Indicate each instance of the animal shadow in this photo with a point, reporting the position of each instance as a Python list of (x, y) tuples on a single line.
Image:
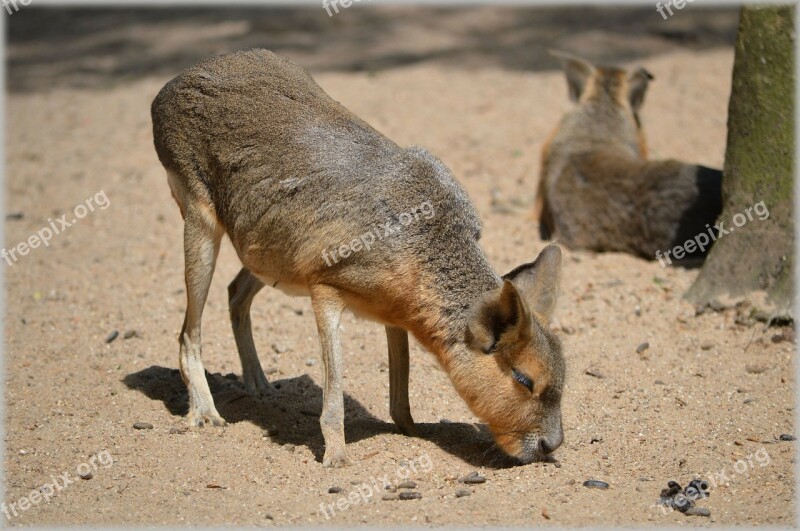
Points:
[(291, 413)]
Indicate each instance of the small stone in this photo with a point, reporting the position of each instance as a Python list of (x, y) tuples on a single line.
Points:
[(311, 362), (410, 495), (707, 345), (407, 485), (289, 447), (568, 330), (659, 382), (335, 490), (641, 348), (130, 333), (112, 336), (595, 484), (473, 478), (142, 426), (270, 432), (177, 431), (389, 497), (570, 481), (355, 482), (697, 511), (755, 369), (786, 437), (279, 349), (391, 488), (749, 400), (86, 475), (545, 514), (460, 493)]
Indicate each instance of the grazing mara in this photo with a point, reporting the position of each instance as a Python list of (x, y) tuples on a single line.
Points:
[(255, 149)]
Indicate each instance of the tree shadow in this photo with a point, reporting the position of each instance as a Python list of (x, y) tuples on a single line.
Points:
[(102, 47), (291, 413)]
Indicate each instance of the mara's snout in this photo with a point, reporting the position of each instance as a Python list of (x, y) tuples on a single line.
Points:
[(255, 149)]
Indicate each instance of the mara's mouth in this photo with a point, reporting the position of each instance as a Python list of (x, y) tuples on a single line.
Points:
[(525, 448)]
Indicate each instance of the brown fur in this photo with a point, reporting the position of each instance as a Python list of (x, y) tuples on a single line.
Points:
[(598, 191), (290, 174)]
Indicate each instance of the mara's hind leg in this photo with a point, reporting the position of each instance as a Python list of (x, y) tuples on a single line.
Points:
[(398, 380), (201, 238), (240, 296)]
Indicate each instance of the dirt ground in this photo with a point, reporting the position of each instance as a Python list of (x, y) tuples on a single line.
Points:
[(709, 397)]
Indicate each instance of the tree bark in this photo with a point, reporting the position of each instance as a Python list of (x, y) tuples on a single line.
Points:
[(755, 261)]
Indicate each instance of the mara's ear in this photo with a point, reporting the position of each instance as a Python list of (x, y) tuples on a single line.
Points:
[(500, 315), (577, 70), (637, 87), (538, 282)]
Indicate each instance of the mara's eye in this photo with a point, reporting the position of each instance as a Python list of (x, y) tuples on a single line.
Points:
[(522, 379)]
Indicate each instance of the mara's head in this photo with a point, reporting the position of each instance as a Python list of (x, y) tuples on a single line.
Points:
[(516, 376), (614, 92)]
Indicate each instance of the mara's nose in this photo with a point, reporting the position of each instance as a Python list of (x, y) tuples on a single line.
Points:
[(549, 444)]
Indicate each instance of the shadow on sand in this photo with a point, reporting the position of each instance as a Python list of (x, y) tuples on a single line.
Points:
[(293, 410)]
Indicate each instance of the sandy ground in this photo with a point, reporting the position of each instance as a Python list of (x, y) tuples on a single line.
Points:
[(708, 398)]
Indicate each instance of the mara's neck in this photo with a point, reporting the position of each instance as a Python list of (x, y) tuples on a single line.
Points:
[(446, 294)]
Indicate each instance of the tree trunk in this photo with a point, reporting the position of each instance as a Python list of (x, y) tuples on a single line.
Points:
[(755, 261)]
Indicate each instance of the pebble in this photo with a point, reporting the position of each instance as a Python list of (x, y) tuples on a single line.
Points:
[(460, 493), (311, 362), (86, 475), (334, 490), (749, 400), (755, 369), (407, 485), (473, 478), (270, 432), (660, 382), (391, 488), (142, 426), (707, 345), (130, 333), (389, 497), (570, 481), (177, 431), (697, 511), (594, 483), (786, 437), (409, 495), (279, 349), (641, 348), (112, 336)]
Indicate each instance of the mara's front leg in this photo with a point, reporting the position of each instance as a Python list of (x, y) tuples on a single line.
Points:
[(328, 307), (399, 409)]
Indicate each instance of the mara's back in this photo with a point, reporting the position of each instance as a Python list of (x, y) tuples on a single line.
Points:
[(292, 175)]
